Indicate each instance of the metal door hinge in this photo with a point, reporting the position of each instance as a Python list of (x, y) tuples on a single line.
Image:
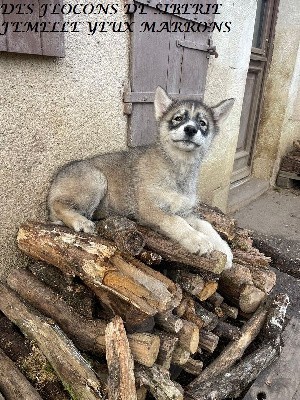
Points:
[(208, 48)]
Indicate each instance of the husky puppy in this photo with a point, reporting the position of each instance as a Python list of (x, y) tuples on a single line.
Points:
[(155, 185)]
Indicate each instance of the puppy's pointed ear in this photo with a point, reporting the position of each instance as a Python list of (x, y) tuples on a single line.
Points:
[(161, 102), (221, 110)]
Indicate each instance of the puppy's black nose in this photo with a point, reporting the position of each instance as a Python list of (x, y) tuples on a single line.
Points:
[(190, 130)]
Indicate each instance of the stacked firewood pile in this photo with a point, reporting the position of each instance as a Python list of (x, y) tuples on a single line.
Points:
[(289, 172), (129, 314)]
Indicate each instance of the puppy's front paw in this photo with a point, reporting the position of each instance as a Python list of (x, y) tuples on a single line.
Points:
[(197, 243), (224, 248), (83, 224)]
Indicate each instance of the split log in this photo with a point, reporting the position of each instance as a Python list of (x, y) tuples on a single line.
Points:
[(182, 306), (88, 335), (208, 341), (159, 383), (190, 314), (242, 240), (64, 358), (250, 298), (169, 322), (235, 349), (13, 383), (193, 367), (99, 264), (180, 355), (123, 232), (121, 381), (226, 384), (188, 336), (210, 287), (168, 342), (174, 252)]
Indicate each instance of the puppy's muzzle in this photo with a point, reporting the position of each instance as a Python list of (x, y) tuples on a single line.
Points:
[(190, 130)]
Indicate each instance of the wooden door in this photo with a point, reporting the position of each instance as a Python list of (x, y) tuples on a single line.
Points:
[(259, 61), (175, 60)]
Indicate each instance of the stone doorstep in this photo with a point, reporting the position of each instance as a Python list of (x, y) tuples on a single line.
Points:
[(242, 194)]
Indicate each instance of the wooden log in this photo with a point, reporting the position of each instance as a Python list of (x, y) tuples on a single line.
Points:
[(141, 393), (64, 358), (233, 280), (263, 279), (168, 342), (13, 383), (30, 360), (123, 232), (182, 306), (210, 287), (180, 355), (193, 367), (227, 385), (208, 340), (191, 283), (250, 298), (216, 299), (87, 334), (121, 380), (190, 314), (242, 240), (159, 383), (172, 251), (149, 258), (228, 331), (188, 336), (230, 311), (74, 293), (223, 224), (169, 322), (253, 257), (235, 349), (237, 285), (100, 266), (210, 320)]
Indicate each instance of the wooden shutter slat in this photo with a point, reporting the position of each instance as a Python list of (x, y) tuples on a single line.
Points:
[(52, 42), (3, 44), (26, 42)]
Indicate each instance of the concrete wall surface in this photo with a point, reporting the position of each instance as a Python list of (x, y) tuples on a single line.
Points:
[(226, 78), (52, 111), (279, 124)]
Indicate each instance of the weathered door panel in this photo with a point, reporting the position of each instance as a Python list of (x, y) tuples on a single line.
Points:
[(177, 61), (259, 61)]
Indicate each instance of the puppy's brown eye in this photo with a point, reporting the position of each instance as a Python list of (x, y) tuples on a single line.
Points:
[(202, 123), (178, 118)]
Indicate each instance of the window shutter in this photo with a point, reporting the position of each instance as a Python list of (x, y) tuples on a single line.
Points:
[(177, 61), (31, 39)]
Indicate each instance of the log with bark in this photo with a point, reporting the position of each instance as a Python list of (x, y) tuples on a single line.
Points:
[(13, 383), (65, 359), (232, 382), (134, 293), (173, 320), (121, 380)]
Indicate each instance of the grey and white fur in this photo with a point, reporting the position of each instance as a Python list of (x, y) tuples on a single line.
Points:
[(155, 185)]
